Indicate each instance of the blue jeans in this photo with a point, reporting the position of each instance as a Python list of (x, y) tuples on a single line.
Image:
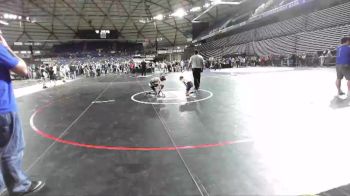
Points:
[(11, 151)]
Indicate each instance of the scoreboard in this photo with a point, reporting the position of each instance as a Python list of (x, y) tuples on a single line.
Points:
[(98, 34)]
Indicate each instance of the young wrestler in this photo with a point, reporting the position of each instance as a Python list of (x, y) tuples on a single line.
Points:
[(188, 84), (157, 84)]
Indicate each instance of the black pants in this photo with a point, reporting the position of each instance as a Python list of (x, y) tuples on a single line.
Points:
[(197, 77), (143, 71)]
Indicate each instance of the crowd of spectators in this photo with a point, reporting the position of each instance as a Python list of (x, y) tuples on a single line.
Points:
[(69, 67), (173, 66), (325, 58)]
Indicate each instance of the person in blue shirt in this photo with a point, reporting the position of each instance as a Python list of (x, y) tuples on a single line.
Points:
[(343, 64), (12, 175)]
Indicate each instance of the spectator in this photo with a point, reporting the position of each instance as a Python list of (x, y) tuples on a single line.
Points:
[(52, 74), (143, 68), (44, 75), (11, 140), (182, 64), (132, 68), (98, 70), (169, 66), (343, 64), (238, 61), (322, 60)]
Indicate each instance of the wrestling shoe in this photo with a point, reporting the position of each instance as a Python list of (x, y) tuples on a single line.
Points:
[(341, 93)]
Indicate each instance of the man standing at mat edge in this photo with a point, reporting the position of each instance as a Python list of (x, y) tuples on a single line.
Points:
[(197, 63), (11, 133), (343, 64)]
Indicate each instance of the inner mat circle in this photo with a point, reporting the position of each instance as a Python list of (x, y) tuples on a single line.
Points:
[(171, 97)]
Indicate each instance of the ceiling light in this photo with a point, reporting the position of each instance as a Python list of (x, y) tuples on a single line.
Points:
[(195, 9), (179, 13), (215, 2), (10, 16), (4, 22), (13, 17), (159, 17), (206, 5), (220, 2)]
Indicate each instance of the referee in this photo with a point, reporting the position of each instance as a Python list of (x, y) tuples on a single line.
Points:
[(197, 63), (12, 175)]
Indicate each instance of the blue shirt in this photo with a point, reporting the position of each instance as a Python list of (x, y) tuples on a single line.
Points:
[(343, 55), (7, 97)]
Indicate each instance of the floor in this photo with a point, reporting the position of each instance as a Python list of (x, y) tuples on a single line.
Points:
[(255, 132), (24, 83)]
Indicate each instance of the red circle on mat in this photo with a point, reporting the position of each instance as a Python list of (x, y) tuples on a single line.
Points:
[(124, 148)]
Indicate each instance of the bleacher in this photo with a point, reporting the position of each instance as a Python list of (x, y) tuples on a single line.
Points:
[(334, 16), (313, 41), (287, 27), (309, 33)]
